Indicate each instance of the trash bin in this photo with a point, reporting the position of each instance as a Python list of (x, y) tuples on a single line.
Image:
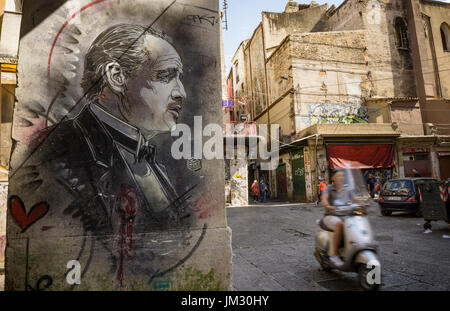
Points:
[(434, 201)]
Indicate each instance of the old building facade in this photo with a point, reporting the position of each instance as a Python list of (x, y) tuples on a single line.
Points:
[(365, 84), (10, 18)]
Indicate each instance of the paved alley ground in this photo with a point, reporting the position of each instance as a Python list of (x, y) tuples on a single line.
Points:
[(273, 250)]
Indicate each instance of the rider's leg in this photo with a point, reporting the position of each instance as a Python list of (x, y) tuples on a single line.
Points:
[(337, 235), (335, 224)]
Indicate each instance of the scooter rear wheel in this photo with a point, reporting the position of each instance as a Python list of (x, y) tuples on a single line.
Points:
[(362, 279)]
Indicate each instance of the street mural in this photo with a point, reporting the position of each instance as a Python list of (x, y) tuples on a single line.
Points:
[(92, 178), (381, 174), (332, 113)]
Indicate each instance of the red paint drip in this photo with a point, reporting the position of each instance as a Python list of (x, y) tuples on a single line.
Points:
[(62, 29), (41, 136), (128, 210), (204, 207)]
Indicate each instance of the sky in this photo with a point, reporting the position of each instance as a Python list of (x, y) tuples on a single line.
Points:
[(245, 15)]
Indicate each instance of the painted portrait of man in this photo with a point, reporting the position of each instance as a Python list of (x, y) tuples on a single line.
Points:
[(98, 197), (104, 176)]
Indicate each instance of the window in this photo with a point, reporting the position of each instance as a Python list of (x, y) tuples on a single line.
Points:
[(398, 187), (445, 35), (236, 71), (401, 34)]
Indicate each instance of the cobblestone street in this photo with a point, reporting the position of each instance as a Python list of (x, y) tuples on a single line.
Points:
[(273, 250)]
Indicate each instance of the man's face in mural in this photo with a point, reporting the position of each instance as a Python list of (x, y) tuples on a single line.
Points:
[(154, 94)]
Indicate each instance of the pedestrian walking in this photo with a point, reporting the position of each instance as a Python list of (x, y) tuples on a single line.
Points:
[(322, 186), (264, 191), (371, 185), (378, 186), (255, 191)]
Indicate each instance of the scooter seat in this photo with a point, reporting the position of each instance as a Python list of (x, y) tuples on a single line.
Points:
[(323, 226)]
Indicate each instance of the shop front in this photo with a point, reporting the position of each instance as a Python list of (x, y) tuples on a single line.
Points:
[(370, 158), (419, 159), (298, 175), (444, 164)]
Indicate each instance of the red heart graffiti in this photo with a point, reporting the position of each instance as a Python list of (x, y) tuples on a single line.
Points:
[(19, 213)]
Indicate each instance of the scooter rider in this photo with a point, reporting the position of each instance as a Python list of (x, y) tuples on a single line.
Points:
[(334, 195)]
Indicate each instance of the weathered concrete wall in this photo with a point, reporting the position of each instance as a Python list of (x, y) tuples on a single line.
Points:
[(256, 71), (242, 103), (239, 182), (347, 17), (282, 114), (3, 197), (239, 77), (248, 87), (278, 26), (7, 106), (408, 117), (330, 78), (279, 69), (391, 68), (92, 177), (439, 13)]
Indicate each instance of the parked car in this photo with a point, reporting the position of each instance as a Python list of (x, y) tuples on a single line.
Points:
[(401, 195)]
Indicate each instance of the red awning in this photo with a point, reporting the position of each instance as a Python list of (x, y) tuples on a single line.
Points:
[(361, 156)]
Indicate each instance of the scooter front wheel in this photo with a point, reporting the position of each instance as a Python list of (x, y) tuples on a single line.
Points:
[(363, 272), (321, 261)]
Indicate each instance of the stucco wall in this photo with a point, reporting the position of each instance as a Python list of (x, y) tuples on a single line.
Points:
[(391, 68), (330, 78), (256, 71), (279, 25), (347, 17), (439, 13), (282, 114), (279, 69), (3, 209)]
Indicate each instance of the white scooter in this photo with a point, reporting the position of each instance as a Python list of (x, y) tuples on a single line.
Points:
[(358, 250)]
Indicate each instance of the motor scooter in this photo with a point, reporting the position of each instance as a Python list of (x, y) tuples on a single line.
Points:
[(358, 249)]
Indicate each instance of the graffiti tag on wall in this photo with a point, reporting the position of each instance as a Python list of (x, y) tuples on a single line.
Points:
[(329, 113)]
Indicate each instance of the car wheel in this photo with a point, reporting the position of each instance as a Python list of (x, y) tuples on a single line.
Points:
[(427, 225), (386, 213)]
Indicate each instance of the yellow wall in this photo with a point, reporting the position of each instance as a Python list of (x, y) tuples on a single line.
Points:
[(280, 114)]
